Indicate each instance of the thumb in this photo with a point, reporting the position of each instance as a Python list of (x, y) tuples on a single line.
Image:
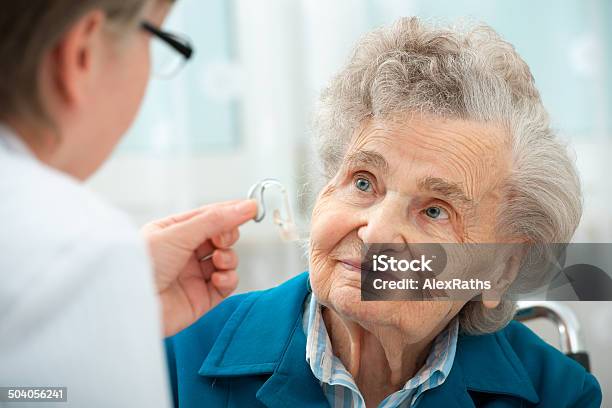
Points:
[(214, 220)]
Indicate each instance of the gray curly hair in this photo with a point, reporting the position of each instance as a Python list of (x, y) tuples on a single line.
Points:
[(467, 74)]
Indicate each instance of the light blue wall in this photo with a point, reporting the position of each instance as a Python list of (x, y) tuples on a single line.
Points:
[(189, 113), (556, 38), (200, 110)]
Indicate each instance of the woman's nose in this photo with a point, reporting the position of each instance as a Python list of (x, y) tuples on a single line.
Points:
[(384, 223)]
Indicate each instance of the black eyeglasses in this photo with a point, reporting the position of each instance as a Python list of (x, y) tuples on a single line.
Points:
[(164, 64)]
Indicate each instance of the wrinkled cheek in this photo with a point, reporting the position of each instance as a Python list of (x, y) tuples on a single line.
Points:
[(323, 238), (332, 220), (331, 223), (320, 276)]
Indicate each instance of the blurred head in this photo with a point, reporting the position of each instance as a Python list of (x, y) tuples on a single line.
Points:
[(74, 73), (433, 135)]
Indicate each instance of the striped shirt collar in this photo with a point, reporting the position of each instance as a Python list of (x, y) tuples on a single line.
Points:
[(338, 384)]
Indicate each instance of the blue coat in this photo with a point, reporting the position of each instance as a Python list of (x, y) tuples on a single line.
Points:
[(250, 351)]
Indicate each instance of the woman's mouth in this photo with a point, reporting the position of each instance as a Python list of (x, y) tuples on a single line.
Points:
[(353, 265)]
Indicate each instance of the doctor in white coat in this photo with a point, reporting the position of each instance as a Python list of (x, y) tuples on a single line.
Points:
[(86, 298)]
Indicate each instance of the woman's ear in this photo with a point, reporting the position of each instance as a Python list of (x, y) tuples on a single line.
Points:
[(72, 62), (502, 281)]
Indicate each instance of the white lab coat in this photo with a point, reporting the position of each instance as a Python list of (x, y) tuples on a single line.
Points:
[(77, 303)]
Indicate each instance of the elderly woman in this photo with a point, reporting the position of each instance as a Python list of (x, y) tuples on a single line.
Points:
[(427, 135)]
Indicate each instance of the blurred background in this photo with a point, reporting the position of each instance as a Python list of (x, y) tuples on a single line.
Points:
[(240, 111)]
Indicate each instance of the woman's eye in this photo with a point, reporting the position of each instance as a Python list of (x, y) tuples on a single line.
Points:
[(363, 184), (436, 213)]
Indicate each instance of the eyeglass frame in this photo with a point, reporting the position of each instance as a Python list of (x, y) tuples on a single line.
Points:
[(180, 44)]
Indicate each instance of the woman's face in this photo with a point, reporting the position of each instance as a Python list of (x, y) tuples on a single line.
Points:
[(424, 180)]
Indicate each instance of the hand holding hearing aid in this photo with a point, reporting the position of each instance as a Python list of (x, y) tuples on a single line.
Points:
[(193, 260)]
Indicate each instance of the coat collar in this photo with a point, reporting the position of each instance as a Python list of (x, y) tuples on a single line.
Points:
[(271, 323)]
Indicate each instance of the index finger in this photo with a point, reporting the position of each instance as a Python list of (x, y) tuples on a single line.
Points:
[(184, 216), (214, 220)]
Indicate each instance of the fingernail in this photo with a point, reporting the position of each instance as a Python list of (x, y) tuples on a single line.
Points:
[(225, 238), (245, 207)]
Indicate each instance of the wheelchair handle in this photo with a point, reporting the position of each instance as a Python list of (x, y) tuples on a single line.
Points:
[(570, 336)]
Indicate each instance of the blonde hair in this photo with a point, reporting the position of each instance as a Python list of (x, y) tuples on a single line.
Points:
[(31, 28)]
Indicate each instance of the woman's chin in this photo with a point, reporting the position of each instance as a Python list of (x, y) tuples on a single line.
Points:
[(346, 300), (345, 297)]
